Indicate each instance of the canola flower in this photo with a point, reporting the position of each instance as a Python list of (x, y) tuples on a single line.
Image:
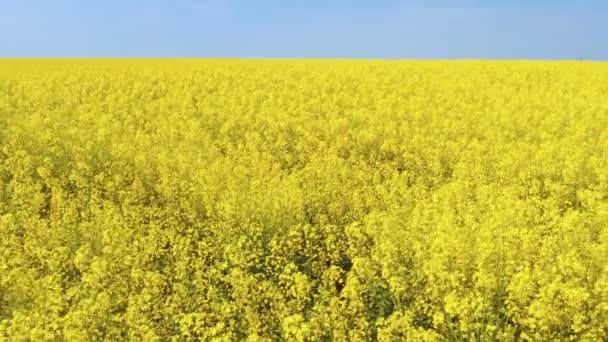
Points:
[(227, 200)]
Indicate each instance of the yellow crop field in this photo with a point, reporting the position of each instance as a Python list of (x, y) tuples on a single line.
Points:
[(303, 200)]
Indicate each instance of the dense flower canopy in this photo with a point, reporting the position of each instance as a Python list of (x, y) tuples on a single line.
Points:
[(303, 200)]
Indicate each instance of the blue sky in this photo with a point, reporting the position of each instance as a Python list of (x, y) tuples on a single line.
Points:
[(431, 29)]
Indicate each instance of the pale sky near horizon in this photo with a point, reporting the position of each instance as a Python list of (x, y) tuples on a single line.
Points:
[(390, 29)]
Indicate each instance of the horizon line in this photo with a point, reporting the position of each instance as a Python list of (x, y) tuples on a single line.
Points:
[(298, 58)]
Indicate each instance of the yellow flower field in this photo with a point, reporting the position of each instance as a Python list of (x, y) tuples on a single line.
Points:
[(303, 200)]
